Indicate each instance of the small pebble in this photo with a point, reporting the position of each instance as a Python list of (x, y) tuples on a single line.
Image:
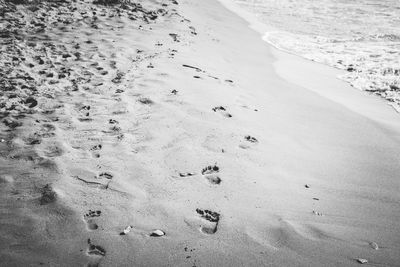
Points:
[(362, 261), (186, 174), (157, 233), (126, 230)]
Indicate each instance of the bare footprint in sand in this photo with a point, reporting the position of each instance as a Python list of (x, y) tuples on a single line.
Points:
[(95, 150), (210, 220), (211, 174), (248, 142), (96, 253), (250, 139), (222, 110), (89, 218)]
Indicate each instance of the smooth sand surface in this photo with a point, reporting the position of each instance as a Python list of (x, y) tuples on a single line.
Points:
[(250, 162)]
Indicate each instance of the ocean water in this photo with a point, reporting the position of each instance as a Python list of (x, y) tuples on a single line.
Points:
[(361, 37)]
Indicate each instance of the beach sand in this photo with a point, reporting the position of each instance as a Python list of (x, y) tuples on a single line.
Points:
[(178, 117)]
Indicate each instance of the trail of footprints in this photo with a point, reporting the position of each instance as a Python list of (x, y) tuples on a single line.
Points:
[(72, 68), (95, 252), (56, 65)]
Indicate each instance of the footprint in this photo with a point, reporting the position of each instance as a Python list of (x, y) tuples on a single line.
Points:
[(250, 139), (222, 110), (89, 218), (211, 174), (95, 150), (210, 220), (96, 253)]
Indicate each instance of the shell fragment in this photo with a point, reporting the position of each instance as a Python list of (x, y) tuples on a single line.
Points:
[(126, 230), (362, 261), (157, 233)]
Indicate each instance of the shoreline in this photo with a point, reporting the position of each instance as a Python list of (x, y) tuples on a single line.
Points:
[(186, 140), (265, 29)]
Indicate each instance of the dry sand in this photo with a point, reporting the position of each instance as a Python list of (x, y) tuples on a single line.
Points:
[(178, 117)]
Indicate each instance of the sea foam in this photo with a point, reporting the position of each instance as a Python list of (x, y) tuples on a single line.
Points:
[(360, 37)]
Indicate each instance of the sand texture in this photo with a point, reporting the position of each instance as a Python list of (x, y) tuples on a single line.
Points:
[(164, 133)]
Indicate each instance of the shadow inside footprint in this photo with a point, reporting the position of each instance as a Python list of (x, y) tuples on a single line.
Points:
[(213, 179), (95, 150), (92, 225)]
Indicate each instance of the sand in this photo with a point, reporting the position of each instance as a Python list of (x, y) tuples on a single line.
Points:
[(170, 134)]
